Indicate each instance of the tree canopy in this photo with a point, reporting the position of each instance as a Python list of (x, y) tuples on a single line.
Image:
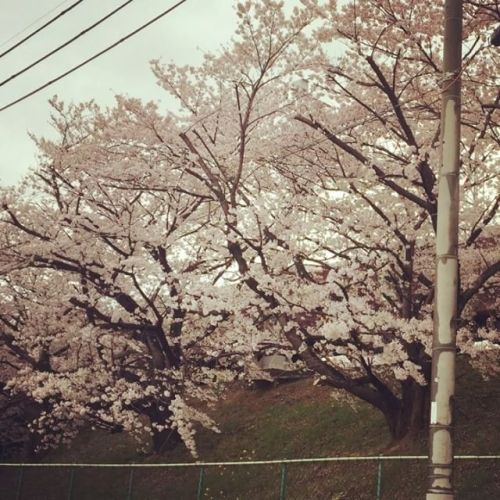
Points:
[(288, 205)]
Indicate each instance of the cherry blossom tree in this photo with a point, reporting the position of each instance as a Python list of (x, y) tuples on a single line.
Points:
[(388, 84), (331, 225), (121, 258)]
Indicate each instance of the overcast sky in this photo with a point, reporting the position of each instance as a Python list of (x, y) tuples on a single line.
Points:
[(182, 36)]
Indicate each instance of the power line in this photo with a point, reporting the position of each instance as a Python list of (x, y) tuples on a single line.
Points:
[(5, 42), (95, 56), (65, 44), (62, 13)]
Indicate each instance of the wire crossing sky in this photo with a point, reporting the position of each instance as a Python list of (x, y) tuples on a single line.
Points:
[(90, 59), (95, 56), (65, 44), (39, 18), (48, 23), (197, 27)]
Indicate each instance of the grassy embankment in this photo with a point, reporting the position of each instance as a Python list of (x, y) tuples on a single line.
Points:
[(294, 420)]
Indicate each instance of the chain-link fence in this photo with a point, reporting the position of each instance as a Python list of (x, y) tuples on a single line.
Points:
[(74, 481)]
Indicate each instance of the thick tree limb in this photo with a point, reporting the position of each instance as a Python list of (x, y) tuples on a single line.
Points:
[(466, 295), (429, 207)]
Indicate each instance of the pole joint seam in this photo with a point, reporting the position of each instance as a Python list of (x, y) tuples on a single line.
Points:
[(439, 426), (444, 347)]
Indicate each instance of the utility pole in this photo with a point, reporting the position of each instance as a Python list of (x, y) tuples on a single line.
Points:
[(440, 485)]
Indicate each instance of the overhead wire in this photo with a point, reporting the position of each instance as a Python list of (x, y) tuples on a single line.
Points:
[(65, 44), (48, 23), (95, 56), (26, 28)]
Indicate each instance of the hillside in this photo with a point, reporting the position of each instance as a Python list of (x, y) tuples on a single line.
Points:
[(294, 420)]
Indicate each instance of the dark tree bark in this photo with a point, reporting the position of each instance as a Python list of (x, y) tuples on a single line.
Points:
[(163, 440), (407, 419)]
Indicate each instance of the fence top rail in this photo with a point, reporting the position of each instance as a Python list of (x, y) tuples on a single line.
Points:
[(254, 462)]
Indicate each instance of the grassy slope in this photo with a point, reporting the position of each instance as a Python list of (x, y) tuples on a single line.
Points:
[(295, 420)]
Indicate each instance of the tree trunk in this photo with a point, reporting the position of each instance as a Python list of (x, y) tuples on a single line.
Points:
[(410, 417), (165, 439)]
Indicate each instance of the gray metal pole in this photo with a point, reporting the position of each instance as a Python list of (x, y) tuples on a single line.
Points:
[(19, 483), (379, 479), (130, 483), (440, 485), (199, 492), (283, 482), (71, 483)]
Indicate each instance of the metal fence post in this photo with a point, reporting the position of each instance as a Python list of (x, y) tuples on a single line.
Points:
[(379, 479), (199, 494), (130, 483), (283, 481), (71, 481), (19, 483)]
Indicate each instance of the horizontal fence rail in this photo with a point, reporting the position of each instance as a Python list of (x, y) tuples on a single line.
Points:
[(251, 462), (202, 466)]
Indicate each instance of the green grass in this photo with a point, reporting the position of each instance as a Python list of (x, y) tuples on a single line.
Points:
[(294, 420)]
